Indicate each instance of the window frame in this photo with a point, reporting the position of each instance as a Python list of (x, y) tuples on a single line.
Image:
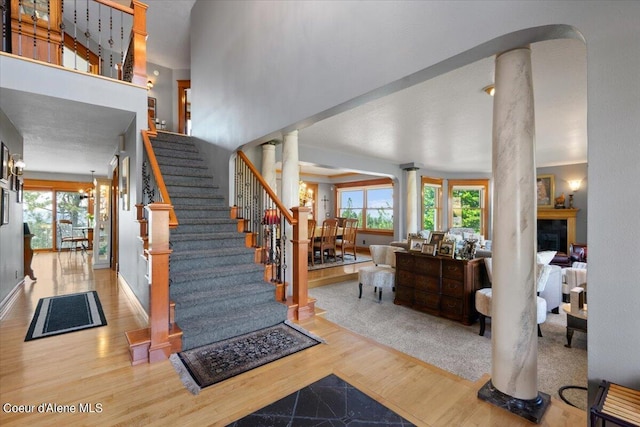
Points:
[(364, 186), (458, 184), (434, 183)]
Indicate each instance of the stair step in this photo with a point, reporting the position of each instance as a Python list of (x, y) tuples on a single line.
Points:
[(219, 276), (177, 152), (185, 163), (200, 332), (190, 181), (194, 259), (201, 211)]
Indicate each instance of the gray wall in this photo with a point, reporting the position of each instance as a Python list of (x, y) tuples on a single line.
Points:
[(262, 76), (11, 240)]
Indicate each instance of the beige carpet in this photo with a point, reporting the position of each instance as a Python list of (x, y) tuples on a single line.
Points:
[(450, 345)]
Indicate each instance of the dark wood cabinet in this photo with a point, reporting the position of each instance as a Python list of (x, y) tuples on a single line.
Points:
[(440, 286)]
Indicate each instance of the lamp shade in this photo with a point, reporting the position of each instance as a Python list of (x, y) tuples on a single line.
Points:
[(271, 217)]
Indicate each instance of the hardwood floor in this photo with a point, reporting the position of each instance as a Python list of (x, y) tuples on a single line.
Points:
[(92, 367)]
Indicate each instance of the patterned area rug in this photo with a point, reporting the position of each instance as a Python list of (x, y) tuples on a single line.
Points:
[(213, 363), (329, 262), (66, 313), (327, 402)]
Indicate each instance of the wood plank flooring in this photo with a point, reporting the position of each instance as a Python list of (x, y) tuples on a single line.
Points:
[(92, 367)]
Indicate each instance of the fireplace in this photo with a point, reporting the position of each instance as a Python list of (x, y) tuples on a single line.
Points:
[(552, 235), (556, 229)]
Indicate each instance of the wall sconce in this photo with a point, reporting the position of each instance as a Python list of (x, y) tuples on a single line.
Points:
[(490, 90), (574, 186), (16, 165), (149, 85)]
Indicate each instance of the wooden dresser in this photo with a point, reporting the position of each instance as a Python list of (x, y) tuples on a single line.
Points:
[(438, 285)]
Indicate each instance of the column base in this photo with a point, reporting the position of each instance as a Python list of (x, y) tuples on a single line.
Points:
[(532, 410)]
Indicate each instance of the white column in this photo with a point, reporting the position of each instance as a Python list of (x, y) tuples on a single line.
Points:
[(269, 164), (513, 307), (290, 183), (412, 201)]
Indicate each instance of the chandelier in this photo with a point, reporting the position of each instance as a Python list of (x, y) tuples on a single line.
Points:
[(305, 195)]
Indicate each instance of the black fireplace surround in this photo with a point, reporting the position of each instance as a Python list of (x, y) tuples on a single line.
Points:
[(552, 235)]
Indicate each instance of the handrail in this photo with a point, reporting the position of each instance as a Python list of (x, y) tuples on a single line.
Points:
[(155, 167), (287, 214), (114, 5)]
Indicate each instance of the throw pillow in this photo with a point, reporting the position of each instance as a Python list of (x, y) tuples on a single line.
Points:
[(545, 257)]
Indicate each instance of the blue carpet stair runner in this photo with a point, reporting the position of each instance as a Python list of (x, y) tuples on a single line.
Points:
[(218, 289)]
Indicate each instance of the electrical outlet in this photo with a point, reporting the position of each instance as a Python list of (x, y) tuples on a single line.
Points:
[(364, 242)]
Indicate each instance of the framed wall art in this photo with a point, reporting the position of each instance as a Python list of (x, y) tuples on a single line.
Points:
[(4, 208), (4, 174), (546, 188)]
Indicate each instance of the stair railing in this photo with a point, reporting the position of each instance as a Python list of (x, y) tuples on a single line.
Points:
[(106, 38), (266, 221), (153, 186)]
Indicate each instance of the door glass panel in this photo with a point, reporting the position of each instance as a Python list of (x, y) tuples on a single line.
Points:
[(72, 205), (38, 213)]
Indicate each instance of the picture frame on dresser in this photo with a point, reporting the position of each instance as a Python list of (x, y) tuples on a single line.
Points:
[(447, 249), (545, 188), (416, 244), (436, 237), (429, 249)]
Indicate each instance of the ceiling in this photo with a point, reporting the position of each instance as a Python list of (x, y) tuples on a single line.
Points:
[(443, 124)]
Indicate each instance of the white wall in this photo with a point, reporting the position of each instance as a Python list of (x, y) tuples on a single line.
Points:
[(274, 66)]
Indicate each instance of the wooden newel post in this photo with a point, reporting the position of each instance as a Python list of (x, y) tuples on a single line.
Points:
[(139, 34), (158, 252), (306, 306)]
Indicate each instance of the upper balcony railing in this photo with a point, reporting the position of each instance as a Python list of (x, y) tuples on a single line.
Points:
[(95, 36)]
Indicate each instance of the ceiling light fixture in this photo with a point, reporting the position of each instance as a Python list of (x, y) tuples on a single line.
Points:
[(490, 90)]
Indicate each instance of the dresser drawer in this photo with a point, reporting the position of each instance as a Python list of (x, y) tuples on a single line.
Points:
[(404, 295), (407, 279), (452, 288), (427, 299), (451, 308), (427, 266), (453, 269), (428, 284)]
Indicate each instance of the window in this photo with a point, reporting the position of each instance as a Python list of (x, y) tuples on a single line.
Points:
[(468, 201), (431, 201), (370, 202), (46, 202)]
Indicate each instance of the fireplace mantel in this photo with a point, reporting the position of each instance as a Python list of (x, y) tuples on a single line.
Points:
[(562, 214)]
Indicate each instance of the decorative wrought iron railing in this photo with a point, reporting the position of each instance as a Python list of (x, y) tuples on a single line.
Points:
[(154, 189), (263, 215), (95, 36)]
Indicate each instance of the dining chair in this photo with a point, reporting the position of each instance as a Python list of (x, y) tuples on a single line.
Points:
[(327, 240), (66, 236), (348, 240), (311, 232)]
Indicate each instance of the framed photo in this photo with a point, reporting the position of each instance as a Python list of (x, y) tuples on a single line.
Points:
[(19, 190), (4, 209), (4, 174), (429, 249), (124, 184), (546, 188), (151, 108), (447, 249), (436, 237), (416, 244)]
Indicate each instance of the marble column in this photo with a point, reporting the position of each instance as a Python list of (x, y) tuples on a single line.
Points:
[(269, 164), (290, 184), (412, 200), (514, 380)]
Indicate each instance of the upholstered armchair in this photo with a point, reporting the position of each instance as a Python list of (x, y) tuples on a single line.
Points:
[(383, 273), (573, 276), (484, 295)]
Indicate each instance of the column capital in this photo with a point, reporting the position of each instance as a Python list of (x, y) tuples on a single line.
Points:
[(410, 166)]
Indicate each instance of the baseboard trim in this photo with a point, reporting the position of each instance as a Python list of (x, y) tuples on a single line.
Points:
[(10, 299), (137, 307)]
